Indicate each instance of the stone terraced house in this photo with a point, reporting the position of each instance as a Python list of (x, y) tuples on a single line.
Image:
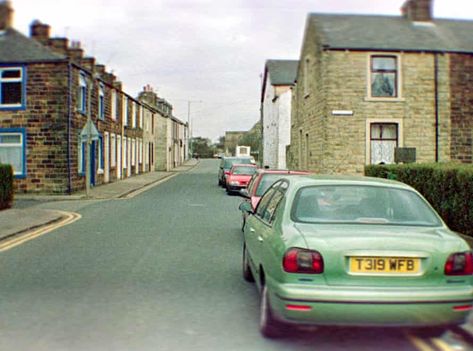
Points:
[(46, 89), (367, 85)]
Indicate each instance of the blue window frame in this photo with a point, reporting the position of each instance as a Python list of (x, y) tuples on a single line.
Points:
[(82, 94), (81, 156), (101, 102), (13, 149), (12, 87)]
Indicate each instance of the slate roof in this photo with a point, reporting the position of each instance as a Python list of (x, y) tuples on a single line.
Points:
[(364, 32), (17, 48), (282, 72)]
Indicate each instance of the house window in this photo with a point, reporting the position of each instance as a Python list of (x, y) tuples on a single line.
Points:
[(125, 111), (82, 94), (133, 114), (384, 76), (13, 150), (383, 141), (133, 151), (113, 105), (12, 87), (101, 102), (82, 156), (113, 151), (142, 116), (100, 155)]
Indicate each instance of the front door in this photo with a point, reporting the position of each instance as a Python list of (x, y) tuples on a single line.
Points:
[(93, 162)]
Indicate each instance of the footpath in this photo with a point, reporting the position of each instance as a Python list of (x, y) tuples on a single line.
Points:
[(15, 221)]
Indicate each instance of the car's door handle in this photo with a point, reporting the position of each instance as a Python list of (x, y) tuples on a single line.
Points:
[(260, 239), (252, 230)]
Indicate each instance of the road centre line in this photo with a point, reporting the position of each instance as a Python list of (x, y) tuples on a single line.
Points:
[(68, 218)]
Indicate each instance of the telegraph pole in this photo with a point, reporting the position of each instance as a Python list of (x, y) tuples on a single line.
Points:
[(89, 136), (189, 141)]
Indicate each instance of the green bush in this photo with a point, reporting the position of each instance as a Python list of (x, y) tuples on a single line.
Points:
[(447, 186), (6, 186)]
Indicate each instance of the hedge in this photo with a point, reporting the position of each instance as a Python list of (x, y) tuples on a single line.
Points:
[(447, 186), (6, 186)]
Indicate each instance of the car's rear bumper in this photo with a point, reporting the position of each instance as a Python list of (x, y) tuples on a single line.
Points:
[(361, 306)]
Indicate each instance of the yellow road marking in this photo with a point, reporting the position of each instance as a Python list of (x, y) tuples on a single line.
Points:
[(442, 345), (419, 343), (70, 217)]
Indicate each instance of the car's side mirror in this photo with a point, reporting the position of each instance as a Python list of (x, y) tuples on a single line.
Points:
[(244, 193), (245, 206)]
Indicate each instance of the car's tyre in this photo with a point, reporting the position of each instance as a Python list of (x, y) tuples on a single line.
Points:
[(247, 275), (269, 327)]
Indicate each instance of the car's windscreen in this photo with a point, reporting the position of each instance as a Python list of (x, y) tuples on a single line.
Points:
[(230, 162), (244, 170), (362, 204), (266, 181)]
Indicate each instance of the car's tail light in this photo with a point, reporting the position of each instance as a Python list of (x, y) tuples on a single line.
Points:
[(298, 260), (460, 263), (226, 172)]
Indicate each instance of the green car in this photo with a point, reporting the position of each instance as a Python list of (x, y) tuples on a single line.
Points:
[(354, 251)]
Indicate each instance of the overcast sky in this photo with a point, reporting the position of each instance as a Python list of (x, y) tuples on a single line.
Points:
[(209, 52)]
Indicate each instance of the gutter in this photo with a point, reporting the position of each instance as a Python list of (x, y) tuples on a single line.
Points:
[(69, 127), (436, 79)]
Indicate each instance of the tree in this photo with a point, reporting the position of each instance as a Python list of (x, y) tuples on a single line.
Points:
[(202, 147)]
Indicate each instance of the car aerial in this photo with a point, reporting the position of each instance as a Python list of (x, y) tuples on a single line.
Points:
[(239, 176), (226, 163), (354, 251), (260, 182)]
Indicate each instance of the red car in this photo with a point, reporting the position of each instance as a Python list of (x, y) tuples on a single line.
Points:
[(239, 176), (260, 182)]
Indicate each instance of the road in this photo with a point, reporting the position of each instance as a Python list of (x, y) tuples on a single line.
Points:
[(159, 271)]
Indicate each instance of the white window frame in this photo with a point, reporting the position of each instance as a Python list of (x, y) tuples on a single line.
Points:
[(369, 122), (125, 152), (20, 79)]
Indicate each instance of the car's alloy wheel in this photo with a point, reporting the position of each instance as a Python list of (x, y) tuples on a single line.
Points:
[(247, 275), (269, 327)]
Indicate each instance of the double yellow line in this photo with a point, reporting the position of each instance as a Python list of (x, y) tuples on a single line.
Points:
[(66, 218)]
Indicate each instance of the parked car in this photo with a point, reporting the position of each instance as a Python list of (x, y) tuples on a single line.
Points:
[(354, 251), (239, 176), (260, 182), (226, 163)]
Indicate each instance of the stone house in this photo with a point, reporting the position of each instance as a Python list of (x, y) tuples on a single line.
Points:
[(47, 88), (367, 85), (171, 133), (276, 98)]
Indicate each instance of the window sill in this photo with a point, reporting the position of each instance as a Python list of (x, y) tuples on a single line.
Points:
[(306, 95), (99, 171), (384, 99)]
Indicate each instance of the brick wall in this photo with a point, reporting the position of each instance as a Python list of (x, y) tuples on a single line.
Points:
[(461, 80)]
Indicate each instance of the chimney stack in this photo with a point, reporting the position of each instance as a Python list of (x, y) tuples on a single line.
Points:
[(6, 15), (40, 32), (417, 10)]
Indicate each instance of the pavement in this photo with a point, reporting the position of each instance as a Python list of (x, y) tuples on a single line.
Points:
[(16, 221)]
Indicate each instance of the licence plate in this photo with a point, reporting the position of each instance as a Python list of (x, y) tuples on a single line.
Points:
[(387, 265)]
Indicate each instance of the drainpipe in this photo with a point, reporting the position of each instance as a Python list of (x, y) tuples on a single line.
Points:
[(69, 127), (436, 79)]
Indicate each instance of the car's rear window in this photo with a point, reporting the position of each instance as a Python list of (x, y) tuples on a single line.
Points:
[(362, 204), (231, 161), (266, 181), (244, 170)]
